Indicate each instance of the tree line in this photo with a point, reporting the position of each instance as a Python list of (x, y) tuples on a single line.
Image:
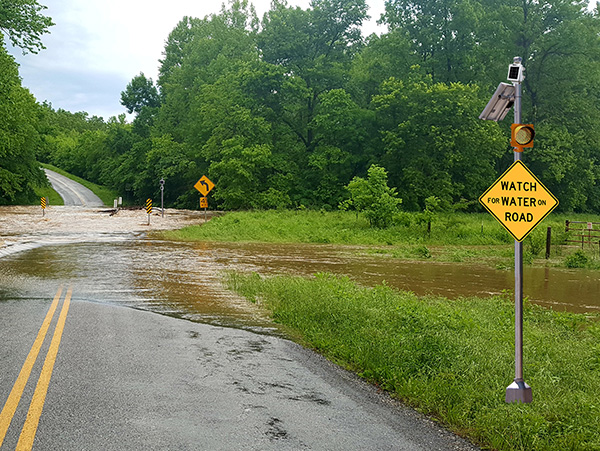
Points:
[(284, 111)]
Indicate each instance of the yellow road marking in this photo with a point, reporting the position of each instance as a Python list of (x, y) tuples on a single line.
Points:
[(8, 411), (39, 396)]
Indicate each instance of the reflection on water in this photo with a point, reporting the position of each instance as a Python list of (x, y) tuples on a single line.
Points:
[(184, 279)]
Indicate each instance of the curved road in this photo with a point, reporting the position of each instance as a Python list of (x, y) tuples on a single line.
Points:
[(73, 193)]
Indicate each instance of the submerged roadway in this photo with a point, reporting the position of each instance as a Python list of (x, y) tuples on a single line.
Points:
[(84, 366)]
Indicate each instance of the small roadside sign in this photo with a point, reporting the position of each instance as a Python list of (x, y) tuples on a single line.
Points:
[(149, 209), (518, 200), (203, 202), (204, 185)]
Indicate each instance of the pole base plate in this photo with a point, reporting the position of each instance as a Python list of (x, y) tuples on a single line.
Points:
[(519, 391)]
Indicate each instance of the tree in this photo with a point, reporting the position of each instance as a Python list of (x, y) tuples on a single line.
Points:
[(140, 93), (24, 24), (444, 33), (315, 47), (373, 197), (19, 171), (434, 144)]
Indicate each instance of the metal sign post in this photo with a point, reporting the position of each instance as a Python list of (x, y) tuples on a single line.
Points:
[(519, 201), (162, 191), (518, 391), (204, 204)]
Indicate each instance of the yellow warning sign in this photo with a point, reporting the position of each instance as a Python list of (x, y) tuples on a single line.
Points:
[(204, 185), (518, 200)]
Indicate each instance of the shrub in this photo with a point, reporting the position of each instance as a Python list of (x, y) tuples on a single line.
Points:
[(373, 197), (577, 259)]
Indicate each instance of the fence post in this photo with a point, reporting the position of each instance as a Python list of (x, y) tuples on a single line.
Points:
[(548, 238), (567, 225)]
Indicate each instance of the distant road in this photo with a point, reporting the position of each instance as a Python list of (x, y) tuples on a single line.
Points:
[(73, 193)]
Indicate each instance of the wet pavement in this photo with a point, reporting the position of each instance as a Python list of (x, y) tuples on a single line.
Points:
[(126, 378), (72, 192)]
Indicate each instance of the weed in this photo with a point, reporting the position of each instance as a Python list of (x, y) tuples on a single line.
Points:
[(578, 259), (452, 359), (422, 252)]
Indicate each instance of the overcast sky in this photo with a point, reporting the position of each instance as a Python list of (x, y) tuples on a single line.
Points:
[(98, 46)]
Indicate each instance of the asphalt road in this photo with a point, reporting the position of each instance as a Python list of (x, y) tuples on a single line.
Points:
[(105, 375), (126, 379), (72, 192)]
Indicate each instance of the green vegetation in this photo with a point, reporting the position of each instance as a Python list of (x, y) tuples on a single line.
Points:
[(373, 197), (107, 195), (341, 227), (287, 110), (52, 196), (23, 23), (451, 359), (19, 172), (454, 237)]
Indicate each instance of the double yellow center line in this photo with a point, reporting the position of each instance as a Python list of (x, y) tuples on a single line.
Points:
[(39, 396)]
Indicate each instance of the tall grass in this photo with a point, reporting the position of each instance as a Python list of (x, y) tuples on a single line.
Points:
[(347, 228), (451, 359), (454, 237), (53, 197), (344, 228)]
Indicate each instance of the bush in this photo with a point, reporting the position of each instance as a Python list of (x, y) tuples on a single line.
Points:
[(423, 252), (373, 197), (577, 259)]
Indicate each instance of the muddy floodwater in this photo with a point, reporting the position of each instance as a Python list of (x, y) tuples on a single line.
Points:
[(184, 279)]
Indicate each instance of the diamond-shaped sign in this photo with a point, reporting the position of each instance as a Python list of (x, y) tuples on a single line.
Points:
[(204, 185), (518, 200)]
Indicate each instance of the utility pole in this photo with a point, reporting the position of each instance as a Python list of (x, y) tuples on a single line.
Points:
[(518, 391)]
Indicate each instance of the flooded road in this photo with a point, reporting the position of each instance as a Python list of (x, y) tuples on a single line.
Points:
[(124, 378), (184, 279), (110, 259)]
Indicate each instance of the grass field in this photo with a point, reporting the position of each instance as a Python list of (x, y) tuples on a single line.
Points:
[(53, 197), (451, 359), (454, 237)]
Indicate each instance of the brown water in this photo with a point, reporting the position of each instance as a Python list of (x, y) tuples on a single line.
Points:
[(184, 279)]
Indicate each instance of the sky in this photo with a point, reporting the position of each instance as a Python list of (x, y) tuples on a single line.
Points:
[(96, 47)]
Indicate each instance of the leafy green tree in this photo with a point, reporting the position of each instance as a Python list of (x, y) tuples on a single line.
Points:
[(19, 171), (385, 56), (316, 46), (140, 93), (23, 23), (445, 35), (372, 197), (434, 144), (342, 144)]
